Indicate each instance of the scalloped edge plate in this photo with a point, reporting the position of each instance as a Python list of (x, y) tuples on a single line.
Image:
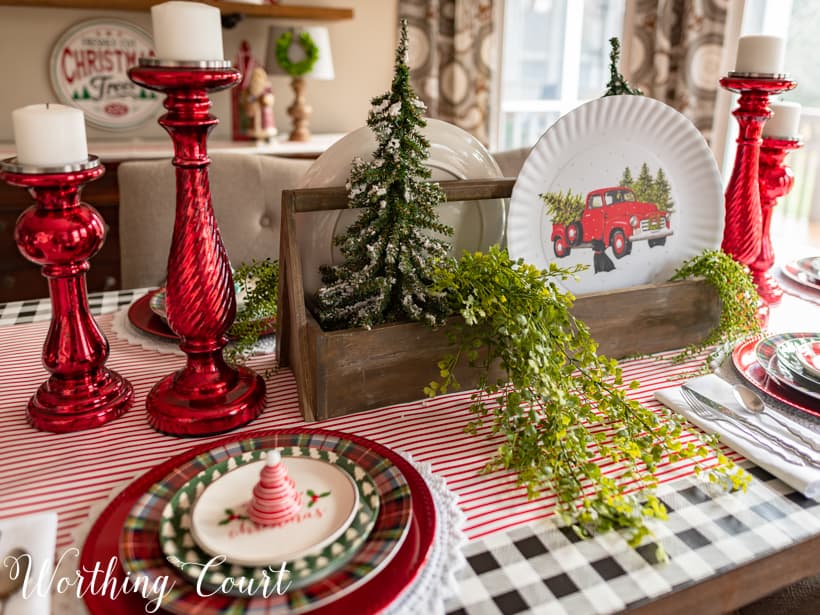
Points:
[(588, 149)]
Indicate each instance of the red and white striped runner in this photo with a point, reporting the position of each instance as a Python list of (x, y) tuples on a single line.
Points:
[(70, 472)]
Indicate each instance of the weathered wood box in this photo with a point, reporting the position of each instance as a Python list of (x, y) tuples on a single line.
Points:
[(339, 372)]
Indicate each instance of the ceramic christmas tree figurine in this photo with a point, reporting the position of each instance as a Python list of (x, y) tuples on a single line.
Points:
[(275, 499), (389, 252)]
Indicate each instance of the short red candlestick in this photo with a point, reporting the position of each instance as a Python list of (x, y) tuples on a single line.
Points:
[(60, 233), (776, 180), (207, 396), (744, 222)]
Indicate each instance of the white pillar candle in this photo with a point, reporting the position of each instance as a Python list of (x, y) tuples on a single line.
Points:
[(187, 31), (760, 53), (785, 121), (49, 135)]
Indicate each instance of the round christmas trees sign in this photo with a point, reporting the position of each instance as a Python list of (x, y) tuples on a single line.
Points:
[(89, 70)]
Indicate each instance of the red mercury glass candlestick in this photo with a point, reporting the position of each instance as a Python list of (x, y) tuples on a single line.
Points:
[(743, 223), (207, 396), (60, 233), (776, 180)]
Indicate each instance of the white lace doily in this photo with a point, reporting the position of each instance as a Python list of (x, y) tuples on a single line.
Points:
[(437, 580), (124, 330), (426, 594)]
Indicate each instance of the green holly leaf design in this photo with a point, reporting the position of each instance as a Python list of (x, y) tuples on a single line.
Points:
[(314, 497)]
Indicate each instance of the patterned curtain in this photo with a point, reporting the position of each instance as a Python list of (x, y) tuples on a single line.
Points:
[(451, 58), (676, 52)]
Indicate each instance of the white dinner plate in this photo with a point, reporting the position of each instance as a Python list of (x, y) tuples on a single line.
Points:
[(454, 154), (588, 150)]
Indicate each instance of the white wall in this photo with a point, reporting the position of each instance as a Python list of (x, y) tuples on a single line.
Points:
[(362, 56)]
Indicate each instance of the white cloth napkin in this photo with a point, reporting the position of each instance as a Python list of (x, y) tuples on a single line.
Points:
[(804, 479), (36, 534)]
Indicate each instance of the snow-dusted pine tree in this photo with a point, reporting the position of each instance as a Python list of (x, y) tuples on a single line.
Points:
[(389, 252)]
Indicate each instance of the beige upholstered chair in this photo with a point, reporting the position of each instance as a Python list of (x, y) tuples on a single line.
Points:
[(246, 192), (510, 161)]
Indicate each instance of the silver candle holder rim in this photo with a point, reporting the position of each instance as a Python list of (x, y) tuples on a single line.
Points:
[(748, 75), (791, 139), (202, 64), (12, 165)]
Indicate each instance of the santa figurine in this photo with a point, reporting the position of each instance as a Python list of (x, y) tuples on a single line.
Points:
[(259, 106)]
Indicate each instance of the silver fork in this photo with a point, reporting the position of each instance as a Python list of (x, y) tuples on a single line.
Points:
[(709, 414)]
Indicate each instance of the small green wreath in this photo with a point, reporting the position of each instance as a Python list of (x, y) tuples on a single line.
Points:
[(296, 69)]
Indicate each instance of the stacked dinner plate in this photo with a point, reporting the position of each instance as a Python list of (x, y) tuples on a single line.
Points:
[(804, 271), (362, 532), (784, 367), (149, 315)]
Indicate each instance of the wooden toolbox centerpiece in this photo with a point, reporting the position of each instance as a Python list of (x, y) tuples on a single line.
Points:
[(340, 372)]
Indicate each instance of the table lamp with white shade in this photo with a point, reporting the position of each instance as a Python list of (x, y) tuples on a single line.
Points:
[(299, 52)]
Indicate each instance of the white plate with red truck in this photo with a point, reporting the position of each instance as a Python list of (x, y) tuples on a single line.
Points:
[(625, 185)]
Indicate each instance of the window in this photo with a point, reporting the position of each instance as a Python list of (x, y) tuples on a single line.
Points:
[(618, 196), (596, 202), (554, 56)]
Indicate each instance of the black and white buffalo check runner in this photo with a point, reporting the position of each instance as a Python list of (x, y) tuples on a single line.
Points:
[(547, 569)]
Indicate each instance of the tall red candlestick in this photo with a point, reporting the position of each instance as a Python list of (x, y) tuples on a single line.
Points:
[(60, 233), (744, 220), (207, 396), (776, 180)]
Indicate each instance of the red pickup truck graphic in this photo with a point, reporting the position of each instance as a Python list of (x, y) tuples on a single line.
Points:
[(612, 217)]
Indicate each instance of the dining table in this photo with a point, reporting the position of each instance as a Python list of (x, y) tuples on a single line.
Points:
[(724, 548)]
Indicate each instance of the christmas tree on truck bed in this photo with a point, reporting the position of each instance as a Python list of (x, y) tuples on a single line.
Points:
[(389, 252)]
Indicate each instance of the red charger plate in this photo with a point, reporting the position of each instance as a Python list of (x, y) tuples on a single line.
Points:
[(143, 318), (377, 593), (745, 361)]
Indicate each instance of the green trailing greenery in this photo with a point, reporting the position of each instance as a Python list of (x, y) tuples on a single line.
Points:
[(648, 189), (259, 280), (617, 84), (738, 302), (304, 66), (563, 208), (557, 395)]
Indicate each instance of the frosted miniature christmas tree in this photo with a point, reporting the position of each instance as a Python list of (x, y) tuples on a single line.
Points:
[(389, 252), (275, 498)]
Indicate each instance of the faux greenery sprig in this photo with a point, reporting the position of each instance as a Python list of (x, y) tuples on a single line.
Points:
[(260, 282), (738, 299), (560, 406)]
